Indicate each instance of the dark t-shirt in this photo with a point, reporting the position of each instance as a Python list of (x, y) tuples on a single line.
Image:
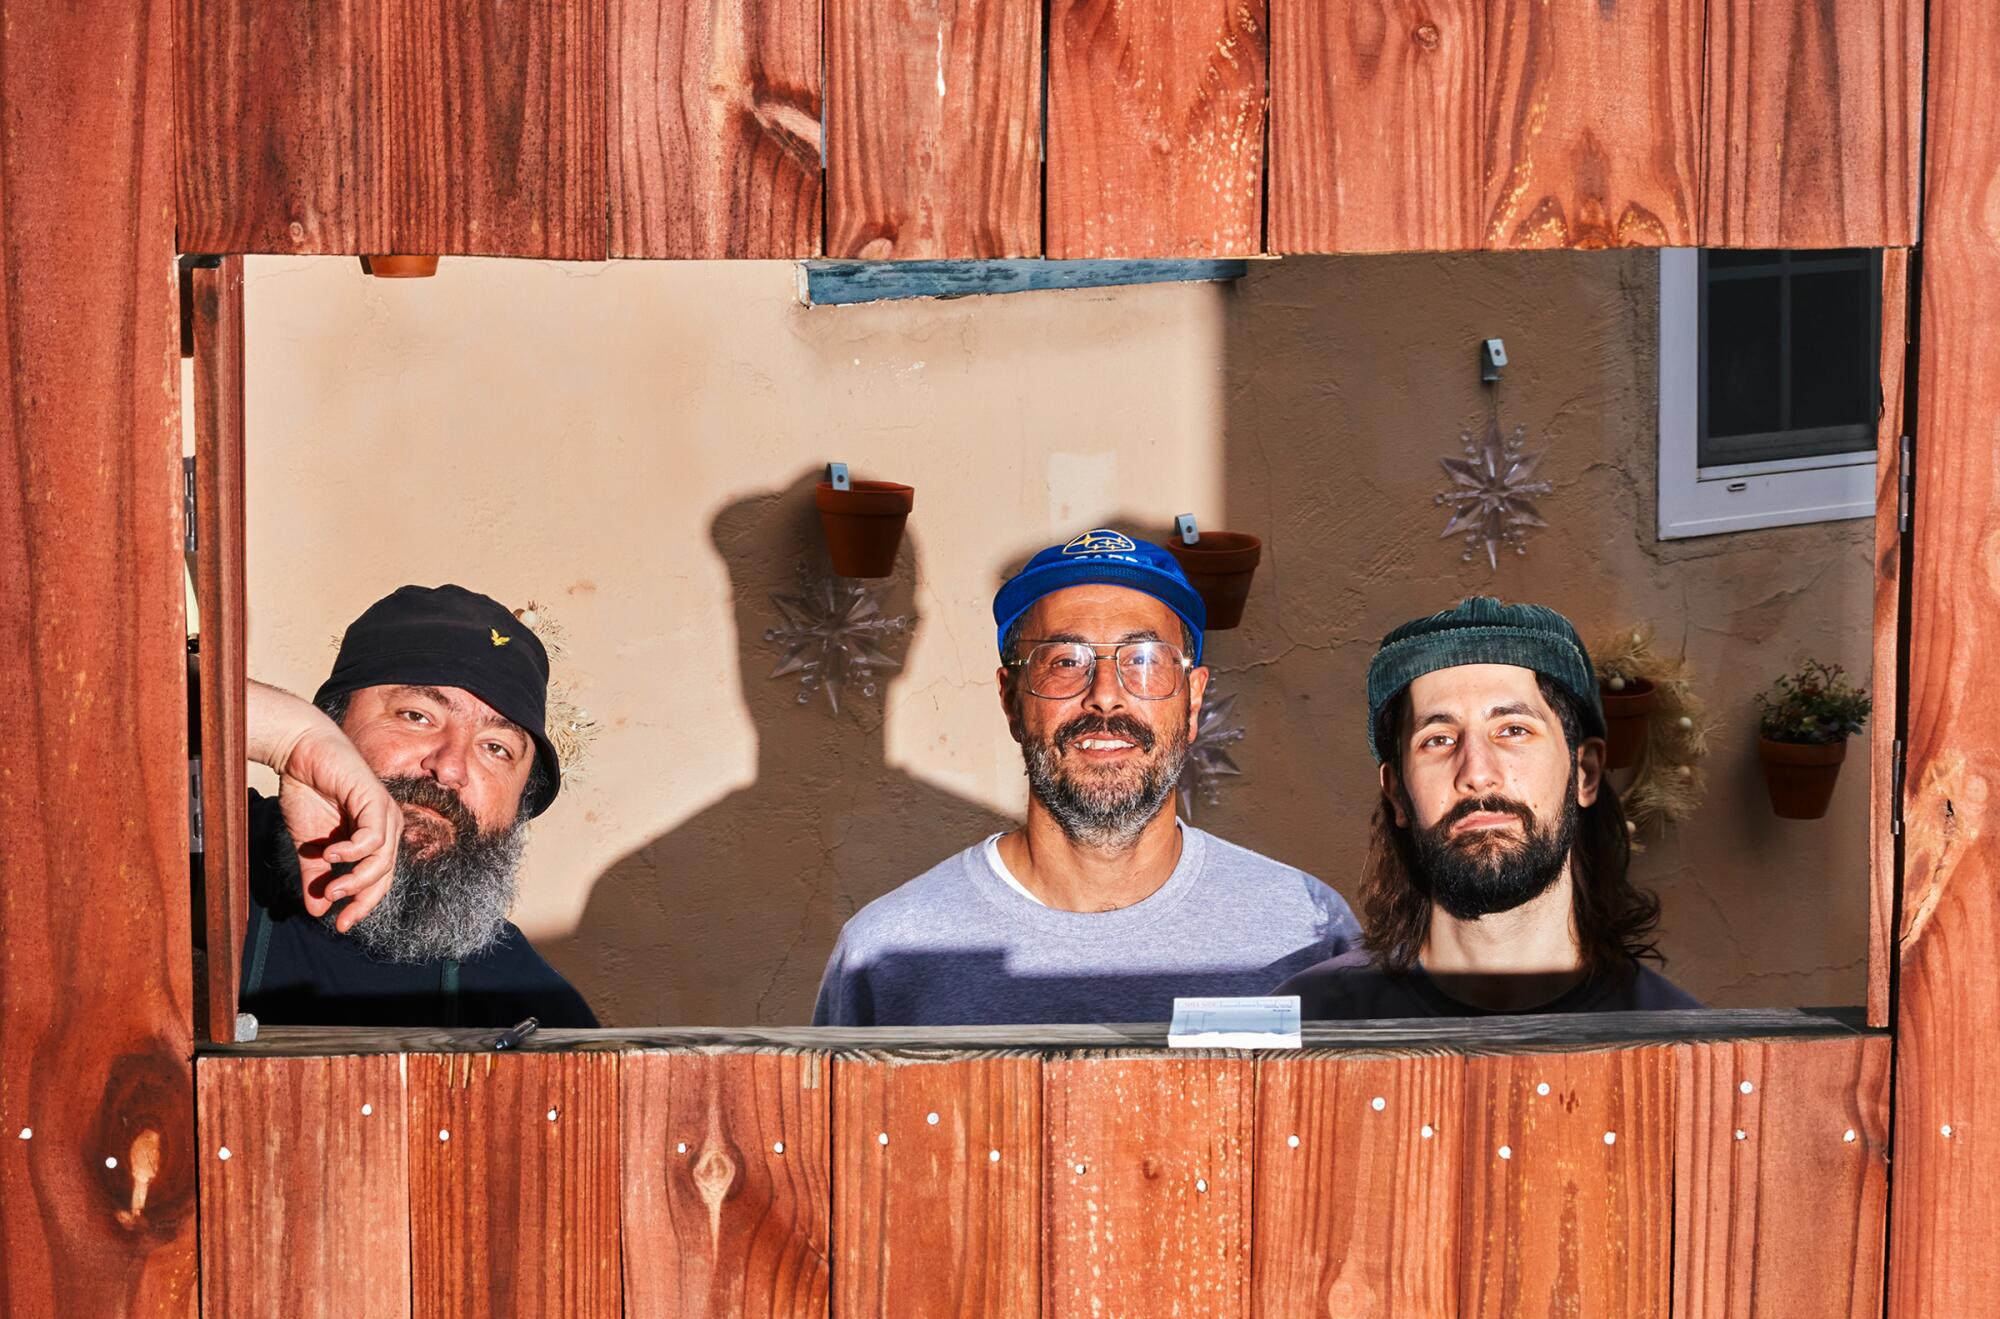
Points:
[(1351, 987), (297, 972)]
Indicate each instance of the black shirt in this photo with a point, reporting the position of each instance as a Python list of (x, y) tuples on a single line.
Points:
[(1351, 987), (297, 972)]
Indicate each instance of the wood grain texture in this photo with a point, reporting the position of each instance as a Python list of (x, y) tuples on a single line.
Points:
[(1593, 130), (1148, 1186), (1886, 679), (219, 592), (282, 142), (933, 113), (363, 126), (1557, 1218), (512, 1212), (1788, 1219), (498, 144), (1813, 113), (309, 1214), (715, 112), (1944, 1258), (1357, 1208), (930, 1221), (725, 1183), (1156, 128), (1376, 141), (96, 1011)]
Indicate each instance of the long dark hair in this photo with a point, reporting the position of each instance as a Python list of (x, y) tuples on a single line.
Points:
[(1615, 922)]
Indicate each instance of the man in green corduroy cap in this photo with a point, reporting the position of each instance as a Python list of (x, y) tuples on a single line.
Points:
[(1496, 876)]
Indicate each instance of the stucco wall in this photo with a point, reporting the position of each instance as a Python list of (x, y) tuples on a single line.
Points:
[(632, 446)]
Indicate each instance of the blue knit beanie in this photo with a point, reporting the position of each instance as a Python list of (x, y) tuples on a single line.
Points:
[(1482, 630)]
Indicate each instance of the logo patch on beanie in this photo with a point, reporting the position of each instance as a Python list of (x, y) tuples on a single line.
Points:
[(499, 640), (1101, 541)]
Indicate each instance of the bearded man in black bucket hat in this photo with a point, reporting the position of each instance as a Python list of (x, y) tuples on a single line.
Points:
[(382, 875), (1496, 875)]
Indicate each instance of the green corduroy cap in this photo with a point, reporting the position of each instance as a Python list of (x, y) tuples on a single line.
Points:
[(1482, 630)]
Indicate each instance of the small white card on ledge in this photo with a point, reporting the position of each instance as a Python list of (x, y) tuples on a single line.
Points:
[(1235, 1023)]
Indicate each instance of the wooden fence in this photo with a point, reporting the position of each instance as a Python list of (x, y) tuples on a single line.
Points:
[(1624, 1166)]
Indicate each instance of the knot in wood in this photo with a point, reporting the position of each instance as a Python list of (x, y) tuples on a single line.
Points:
[(1150, 1166), (714, 1174), (1426, 36)]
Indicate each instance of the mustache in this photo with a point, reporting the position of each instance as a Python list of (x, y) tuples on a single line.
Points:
[(1488, 805), (1089, 725), (413, 790)]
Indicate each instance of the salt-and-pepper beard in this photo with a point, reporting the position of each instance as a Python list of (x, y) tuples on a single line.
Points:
[(1094, 816), (1483, 874), (452, 901)]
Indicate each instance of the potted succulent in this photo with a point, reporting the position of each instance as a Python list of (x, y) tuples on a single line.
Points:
[(1219, 565), (1804, 723), (863, 525)]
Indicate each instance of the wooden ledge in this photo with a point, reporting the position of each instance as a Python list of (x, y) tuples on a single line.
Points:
[(1386, 1038)]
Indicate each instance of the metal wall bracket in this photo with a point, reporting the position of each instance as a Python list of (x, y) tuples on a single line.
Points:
[(837, 473), (1185, 528)]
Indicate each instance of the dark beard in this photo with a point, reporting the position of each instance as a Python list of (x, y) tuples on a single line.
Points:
[(1107, 815), (1480, 875), (449, 899)]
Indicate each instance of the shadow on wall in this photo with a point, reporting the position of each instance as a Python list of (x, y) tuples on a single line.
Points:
[(728, 919)]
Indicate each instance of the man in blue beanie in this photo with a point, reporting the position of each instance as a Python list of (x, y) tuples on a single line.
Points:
[(1496, 877), (1102, 906)]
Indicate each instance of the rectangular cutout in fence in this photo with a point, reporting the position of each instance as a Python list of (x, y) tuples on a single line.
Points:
[(937, 1180), (724, 1168), (514, 1181)]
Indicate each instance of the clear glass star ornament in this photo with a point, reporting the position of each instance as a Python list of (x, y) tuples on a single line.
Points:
[(1208, 758), (1492, 494), (833, 635)]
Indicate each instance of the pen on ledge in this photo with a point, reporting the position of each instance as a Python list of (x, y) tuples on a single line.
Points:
[(512, 1038)]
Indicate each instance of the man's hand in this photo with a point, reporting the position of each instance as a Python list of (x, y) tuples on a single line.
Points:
[(335, 808)]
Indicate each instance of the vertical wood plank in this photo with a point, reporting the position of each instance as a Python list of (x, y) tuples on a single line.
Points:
[(1156, 128), (1788, 1218), (281, 136), (1376, 141), (497, 117), (219, 590), (715, 111), (1357, 1207), (1814, 123), (1149, 1166), (930, 1221), (96, 1011), (1593, 126), (1944, 1258), (513, 1212), (933, 114), (1886, 669), (725, 1183), (1568, 1194), (309, 1214)]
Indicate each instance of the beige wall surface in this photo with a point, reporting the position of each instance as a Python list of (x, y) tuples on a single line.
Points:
[(631, 446)]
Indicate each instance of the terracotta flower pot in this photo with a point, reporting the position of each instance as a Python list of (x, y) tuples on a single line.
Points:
[(1801, 775), (1626, 714), (400, 267), (1219, 566), (864, 525)]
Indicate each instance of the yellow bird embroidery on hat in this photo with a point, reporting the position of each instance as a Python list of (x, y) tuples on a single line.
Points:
[(499, 640)]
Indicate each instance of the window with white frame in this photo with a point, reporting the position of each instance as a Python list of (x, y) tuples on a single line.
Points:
[(1770, 388)]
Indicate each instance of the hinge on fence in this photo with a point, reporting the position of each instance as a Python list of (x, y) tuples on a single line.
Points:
[(1896, 788), (1906, 482), (187, 504), (194, 805)]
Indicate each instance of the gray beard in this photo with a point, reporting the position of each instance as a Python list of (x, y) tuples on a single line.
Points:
[(452, 904), (1106, 818)]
